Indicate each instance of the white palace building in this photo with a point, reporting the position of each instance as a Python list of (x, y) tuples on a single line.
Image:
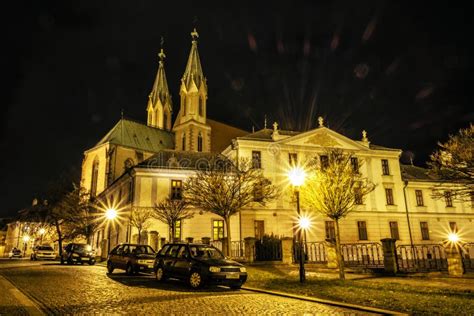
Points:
[(137, 165)]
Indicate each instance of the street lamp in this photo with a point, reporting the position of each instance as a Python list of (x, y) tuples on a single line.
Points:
[(297, 176), (26, 239), (110, 215), (453, 237)]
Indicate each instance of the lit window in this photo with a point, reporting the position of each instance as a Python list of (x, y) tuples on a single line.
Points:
[(176, 189), (385, 167), (419, 197), (217, 229), (177, 231)]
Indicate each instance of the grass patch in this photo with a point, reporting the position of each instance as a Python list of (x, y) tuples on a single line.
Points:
[(413, 295)]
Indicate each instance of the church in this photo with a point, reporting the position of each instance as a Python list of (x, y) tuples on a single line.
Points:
[(136, 165)]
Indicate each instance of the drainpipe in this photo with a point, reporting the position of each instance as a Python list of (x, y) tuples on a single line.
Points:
[(409, 225)]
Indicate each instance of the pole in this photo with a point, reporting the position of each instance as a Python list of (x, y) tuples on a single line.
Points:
[(409, 225), (300, 240), (108, 239)]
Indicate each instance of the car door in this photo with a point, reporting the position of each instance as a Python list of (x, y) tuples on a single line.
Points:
[(115, 255), (169, 258), (124, 256), (182, 263)]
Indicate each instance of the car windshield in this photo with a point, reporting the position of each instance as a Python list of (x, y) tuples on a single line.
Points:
[(82, 248), (45, 248), (142, 250), (205, 252)]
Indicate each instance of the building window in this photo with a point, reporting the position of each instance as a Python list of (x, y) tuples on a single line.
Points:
[(217, 229), (183, 142), (453, 227), (425, 233), (177, 231), (94, 177), (448, 198), (165, 121), (394, 230), (355, 164), (389, 196), (256, 159), (419, 198), (200, 106), (385, 167), (362, 227), (259, 227), (293, 159), (358, 196), (330, 230), (176, 189), (324, 160), (199, 142)]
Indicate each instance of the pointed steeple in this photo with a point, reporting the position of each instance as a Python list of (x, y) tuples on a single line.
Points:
[(159, 101), (193, 72)]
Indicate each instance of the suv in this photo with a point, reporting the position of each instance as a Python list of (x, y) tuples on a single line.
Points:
[(43, 252), (78, 253), (198, 264), (132, 258)]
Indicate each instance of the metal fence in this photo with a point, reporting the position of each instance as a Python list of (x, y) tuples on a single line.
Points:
[(368, 255), (315, 252), (268, 250), (237, 249), (467, 252), (424, 257)]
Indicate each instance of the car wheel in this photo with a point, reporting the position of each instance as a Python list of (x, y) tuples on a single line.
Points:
[(160, 274), (195, 280), (129, 269), (91, 262), (110, 267)]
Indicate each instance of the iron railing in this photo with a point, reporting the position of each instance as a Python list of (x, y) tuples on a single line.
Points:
[(268, 250), (421, 257), (237, 249), (467, 252), (315, 252), (369, 255)]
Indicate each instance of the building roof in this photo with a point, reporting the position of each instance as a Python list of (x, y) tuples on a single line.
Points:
[(410, 172), (187, 160), (377, 147), (193, 72), (160, 89), (129, 133), (222, 135)]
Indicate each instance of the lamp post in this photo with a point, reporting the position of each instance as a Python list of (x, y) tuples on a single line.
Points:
[(297, 177), (110, 215), (26, 239), (42, 231)]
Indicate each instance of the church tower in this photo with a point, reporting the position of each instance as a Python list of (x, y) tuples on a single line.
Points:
[(191, 131), (159, 107)]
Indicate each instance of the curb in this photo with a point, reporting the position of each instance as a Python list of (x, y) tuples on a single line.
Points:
[(326, 302)]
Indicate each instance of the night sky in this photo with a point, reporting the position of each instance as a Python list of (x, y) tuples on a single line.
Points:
[(401, 70)]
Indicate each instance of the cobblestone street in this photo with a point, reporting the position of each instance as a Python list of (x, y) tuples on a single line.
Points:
[(88, 289)]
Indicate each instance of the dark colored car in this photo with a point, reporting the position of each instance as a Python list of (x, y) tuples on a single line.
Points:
[(132, 258), (78, 253), (198, 264)]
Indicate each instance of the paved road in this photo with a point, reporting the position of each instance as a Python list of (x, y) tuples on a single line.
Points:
[(88, 289)]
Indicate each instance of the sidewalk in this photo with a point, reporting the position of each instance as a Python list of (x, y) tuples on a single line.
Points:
[(14, 302)]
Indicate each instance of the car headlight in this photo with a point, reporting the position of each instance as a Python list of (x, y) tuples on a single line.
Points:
[(214, 269), (243, 269), (75, 255)]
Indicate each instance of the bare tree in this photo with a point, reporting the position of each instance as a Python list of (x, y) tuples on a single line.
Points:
[(170, 212), (140, 219), (224, 189), (333, 189), (453, 166)]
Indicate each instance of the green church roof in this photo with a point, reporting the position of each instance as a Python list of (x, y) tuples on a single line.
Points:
[(129, 133)]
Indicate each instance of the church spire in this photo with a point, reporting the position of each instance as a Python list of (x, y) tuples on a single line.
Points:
[(159, 103), (193, 72)]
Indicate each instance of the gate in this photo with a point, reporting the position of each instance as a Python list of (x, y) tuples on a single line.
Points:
[(315, 252), (467, 252), (427, 257), (268, 249), (368, 255)]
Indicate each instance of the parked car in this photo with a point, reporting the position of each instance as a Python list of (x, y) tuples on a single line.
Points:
[(14, 253), (44, 252), (198, 264), (132, 258), (78, 253)]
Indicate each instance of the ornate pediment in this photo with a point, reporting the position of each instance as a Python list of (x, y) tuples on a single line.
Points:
[(323, 140)]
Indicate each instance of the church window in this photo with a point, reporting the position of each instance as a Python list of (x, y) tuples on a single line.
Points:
[(94, 177), (183, 142), (165, 121), (199, 142), (200, 106)]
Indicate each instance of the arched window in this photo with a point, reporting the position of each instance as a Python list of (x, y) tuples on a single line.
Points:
[(199, 142), (94, 176), (183, 142), (200, 106), (157, 118), (165, 120)]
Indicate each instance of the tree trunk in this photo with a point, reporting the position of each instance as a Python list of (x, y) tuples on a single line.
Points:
[(60, 237), (139, 236), (340, 261), (229, 244), (173, 231)]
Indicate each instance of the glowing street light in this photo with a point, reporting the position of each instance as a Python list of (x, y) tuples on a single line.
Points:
[(42, 231), (304, 223), (110, 215), (453, 237), (297, 176), (26, 238)]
